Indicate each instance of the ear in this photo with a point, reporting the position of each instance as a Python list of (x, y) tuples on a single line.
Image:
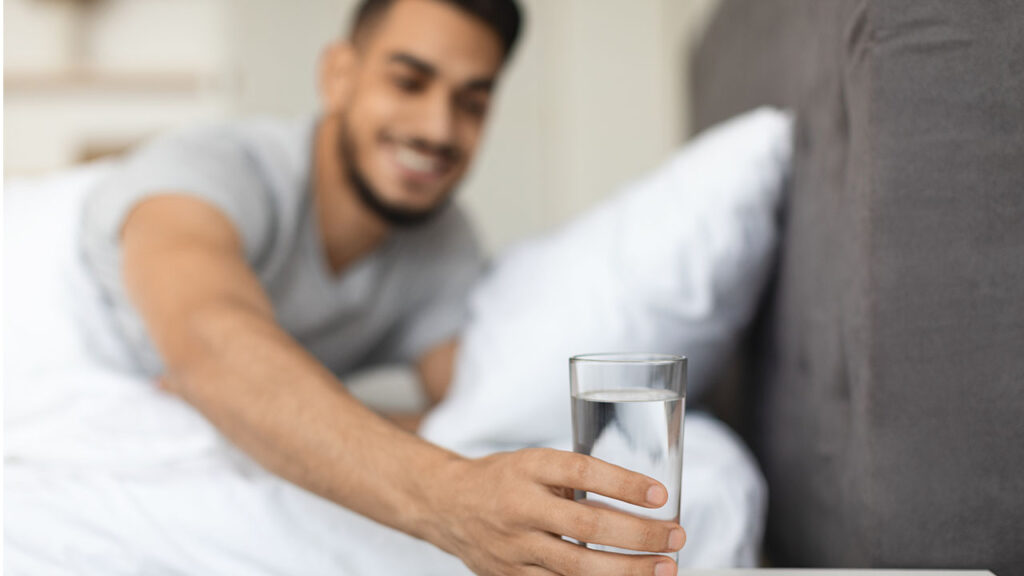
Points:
[(338, 68)]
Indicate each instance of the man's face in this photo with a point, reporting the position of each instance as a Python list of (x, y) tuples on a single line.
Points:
[(414, 108)]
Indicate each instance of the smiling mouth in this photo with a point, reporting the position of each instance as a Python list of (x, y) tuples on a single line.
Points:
[(419, 165), (411, 159)]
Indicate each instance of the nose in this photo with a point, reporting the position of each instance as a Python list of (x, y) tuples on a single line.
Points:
[(435, 119)]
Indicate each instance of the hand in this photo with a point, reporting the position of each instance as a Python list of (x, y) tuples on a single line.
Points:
[(505, 514)]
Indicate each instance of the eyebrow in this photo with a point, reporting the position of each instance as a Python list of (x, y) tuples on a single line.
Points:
[(413, 62), (428, 69)]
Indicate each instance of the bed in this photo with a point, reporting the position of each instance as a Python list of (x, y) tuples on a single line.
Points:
[(107, 474)]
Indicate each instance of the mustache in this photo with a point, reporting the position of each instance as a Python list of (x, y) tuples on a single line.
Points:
[(448, 152)]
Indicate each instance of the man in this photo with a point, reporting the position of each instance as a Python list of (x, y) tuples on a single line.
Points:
[(248, 265)]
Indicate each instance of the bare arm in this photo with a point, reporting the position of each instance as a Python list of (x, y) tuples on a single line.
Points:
[(214, 327), (435, 370), (224, 354)]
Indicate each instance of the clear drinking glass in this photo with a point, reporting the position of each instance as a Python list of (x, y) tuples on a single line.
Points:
[(627, 409)]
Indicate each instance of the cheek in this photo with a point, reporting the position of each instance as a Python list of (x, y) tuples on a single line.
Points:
[(468, 134), (366, 119), (373, 106)]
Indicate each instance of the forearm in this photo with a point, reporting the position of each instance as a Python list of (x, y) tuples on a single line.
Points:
[(214, 327), (408, 421), (276, 402)]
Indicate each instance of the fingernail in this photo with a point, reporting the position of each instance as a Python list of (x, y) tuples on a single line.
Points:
[(676, 539), (665, 569), (656, 495)]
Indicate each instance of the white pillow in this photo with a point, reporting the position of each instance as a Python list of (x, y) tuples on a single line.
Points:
[(674, 264), (40, 260)]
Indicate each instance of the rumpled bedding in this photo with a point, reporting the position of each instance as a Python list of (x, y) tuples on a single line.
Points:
[(107, 474)]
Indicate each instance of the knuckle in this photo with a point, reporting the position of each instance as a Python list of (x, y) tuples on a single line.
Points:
[(535, 457), (581, 470), (539, 552), (531, 551), (641, 568), (572, 562), (586, 524), (629, 487), (652, 537), (545, 452), (637, 566)]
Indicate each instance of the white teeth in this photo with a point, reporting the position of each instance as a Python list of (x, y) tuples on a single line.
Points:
[(410, 159)]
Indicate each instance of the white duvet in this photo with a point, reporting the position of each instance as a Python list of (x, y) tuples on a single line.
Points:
[(106, 474)]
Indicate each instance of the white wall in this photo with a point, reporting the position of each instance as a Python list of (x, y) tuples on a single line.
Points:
[(594, 97), (107, 73)]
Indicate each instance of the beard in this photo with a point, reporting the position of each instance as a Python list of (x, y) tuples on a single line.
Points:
[(397, 216)]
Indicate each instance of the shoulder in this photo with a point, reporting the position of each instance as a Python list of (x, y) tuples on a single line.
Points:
[(281, 144), (275, 152), (285, 147), (252, 171)]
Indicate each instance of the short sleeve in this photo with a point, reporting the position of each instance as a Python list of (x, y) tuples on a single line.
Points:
[(448, 264), (212, 164)]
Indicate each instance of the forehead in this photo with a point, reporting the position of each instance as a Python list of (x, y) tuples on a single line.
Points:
[(455, 42)]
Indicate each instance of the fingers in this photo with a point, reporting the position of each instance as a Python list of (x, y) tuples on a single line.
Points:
[(559, 468), (610, 527), (537, 571), (569, 559)]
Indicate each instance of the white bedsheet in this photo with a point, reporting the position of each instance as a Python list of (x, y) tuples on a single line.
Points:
[(106, 474)]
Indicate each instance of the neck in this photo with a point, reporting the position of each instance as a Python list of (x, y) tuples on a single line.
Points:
[(348, 230)]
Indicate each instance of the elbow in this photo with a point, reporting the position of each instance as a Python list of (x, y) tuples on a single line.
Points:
[(203, 341)]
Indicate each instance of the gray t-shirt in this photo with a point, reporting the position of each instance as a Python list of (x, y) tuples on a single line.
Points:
[(391, 306)]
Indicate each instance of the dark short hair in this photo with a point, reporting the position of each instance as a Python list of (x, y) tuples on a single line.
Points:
[(502, 16)]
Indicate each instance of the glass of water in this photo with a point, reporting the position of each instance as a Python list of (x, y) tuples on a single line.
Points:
[(627, 409)]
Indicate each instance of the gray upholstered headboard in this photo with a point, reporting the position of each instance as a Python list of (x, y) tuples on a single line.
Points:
[(886, 378)]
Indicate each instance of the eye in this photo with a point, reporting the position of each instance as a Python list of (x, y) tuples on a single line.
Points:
[(408, 84), (475, 107)]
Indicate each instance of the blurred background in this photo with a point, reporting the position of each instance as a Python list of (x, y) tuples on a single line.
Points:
[(595, 96)]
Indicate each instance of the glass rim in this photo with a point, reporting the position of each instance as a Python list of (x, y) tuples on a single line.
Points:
[(647, 358)]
